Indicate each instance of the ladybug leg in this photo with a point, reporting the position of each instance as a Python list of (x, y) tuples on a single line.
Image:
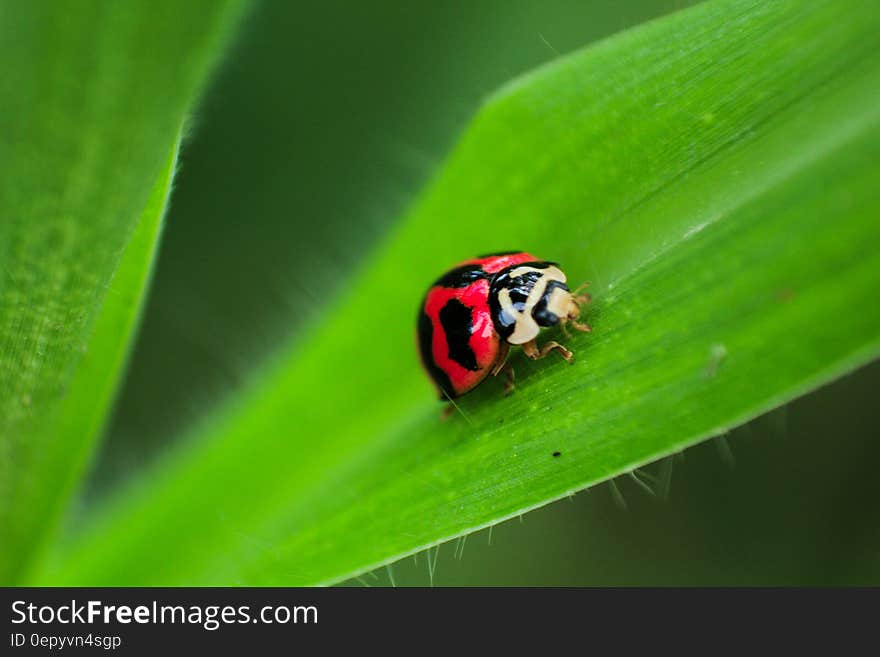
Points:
[(503, 351), (532, 351), (501, 365), (510, 379), (447, 412)]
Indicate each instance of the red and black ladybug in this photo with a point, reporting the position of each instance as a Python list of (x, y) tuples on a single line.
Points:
[(473, 313)]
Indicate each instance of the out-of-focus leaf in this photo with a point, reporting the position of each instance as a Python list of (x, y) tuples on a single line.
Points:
[(91, 102)]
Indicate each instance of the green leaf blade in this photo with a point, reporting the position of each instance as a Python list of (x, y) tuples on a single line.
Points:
[(710, 173)]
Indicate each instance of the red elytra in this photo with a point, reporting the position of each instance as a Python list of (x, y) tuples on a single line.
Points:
[(483, 340), (492, 264), (468, 283)]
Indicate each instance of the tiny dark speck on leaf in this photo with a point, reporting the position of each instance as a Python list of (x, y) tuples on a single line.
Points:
[(555, 454)]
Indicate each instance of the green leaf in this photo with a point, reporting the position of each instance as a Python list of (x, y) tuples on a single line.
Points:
[(712, 173), (91, 109)]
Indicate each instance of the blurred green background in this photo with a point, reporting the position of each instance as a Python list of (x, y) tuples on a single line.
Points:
[(324, 123)]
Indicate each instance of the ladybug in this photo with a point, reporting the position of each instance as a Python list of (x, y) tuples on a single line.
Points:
[(475, 311)]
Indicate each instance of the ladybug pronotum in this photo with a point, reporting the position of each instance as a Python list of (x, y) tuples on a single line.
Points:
[(475, 311)]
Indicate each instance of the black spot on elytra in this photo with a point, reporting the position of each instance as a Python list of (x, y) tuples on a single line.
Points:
[(426, 335), (457, 319), (496, 255), (461, 276), (557, 454)]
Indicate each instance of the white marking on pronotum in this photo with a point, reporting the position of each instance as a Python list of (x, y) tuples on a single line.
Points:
[(551, 272)]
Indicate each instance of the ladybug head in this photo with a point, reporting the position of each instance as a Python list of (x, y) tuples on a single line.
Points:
[(524, 298)]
